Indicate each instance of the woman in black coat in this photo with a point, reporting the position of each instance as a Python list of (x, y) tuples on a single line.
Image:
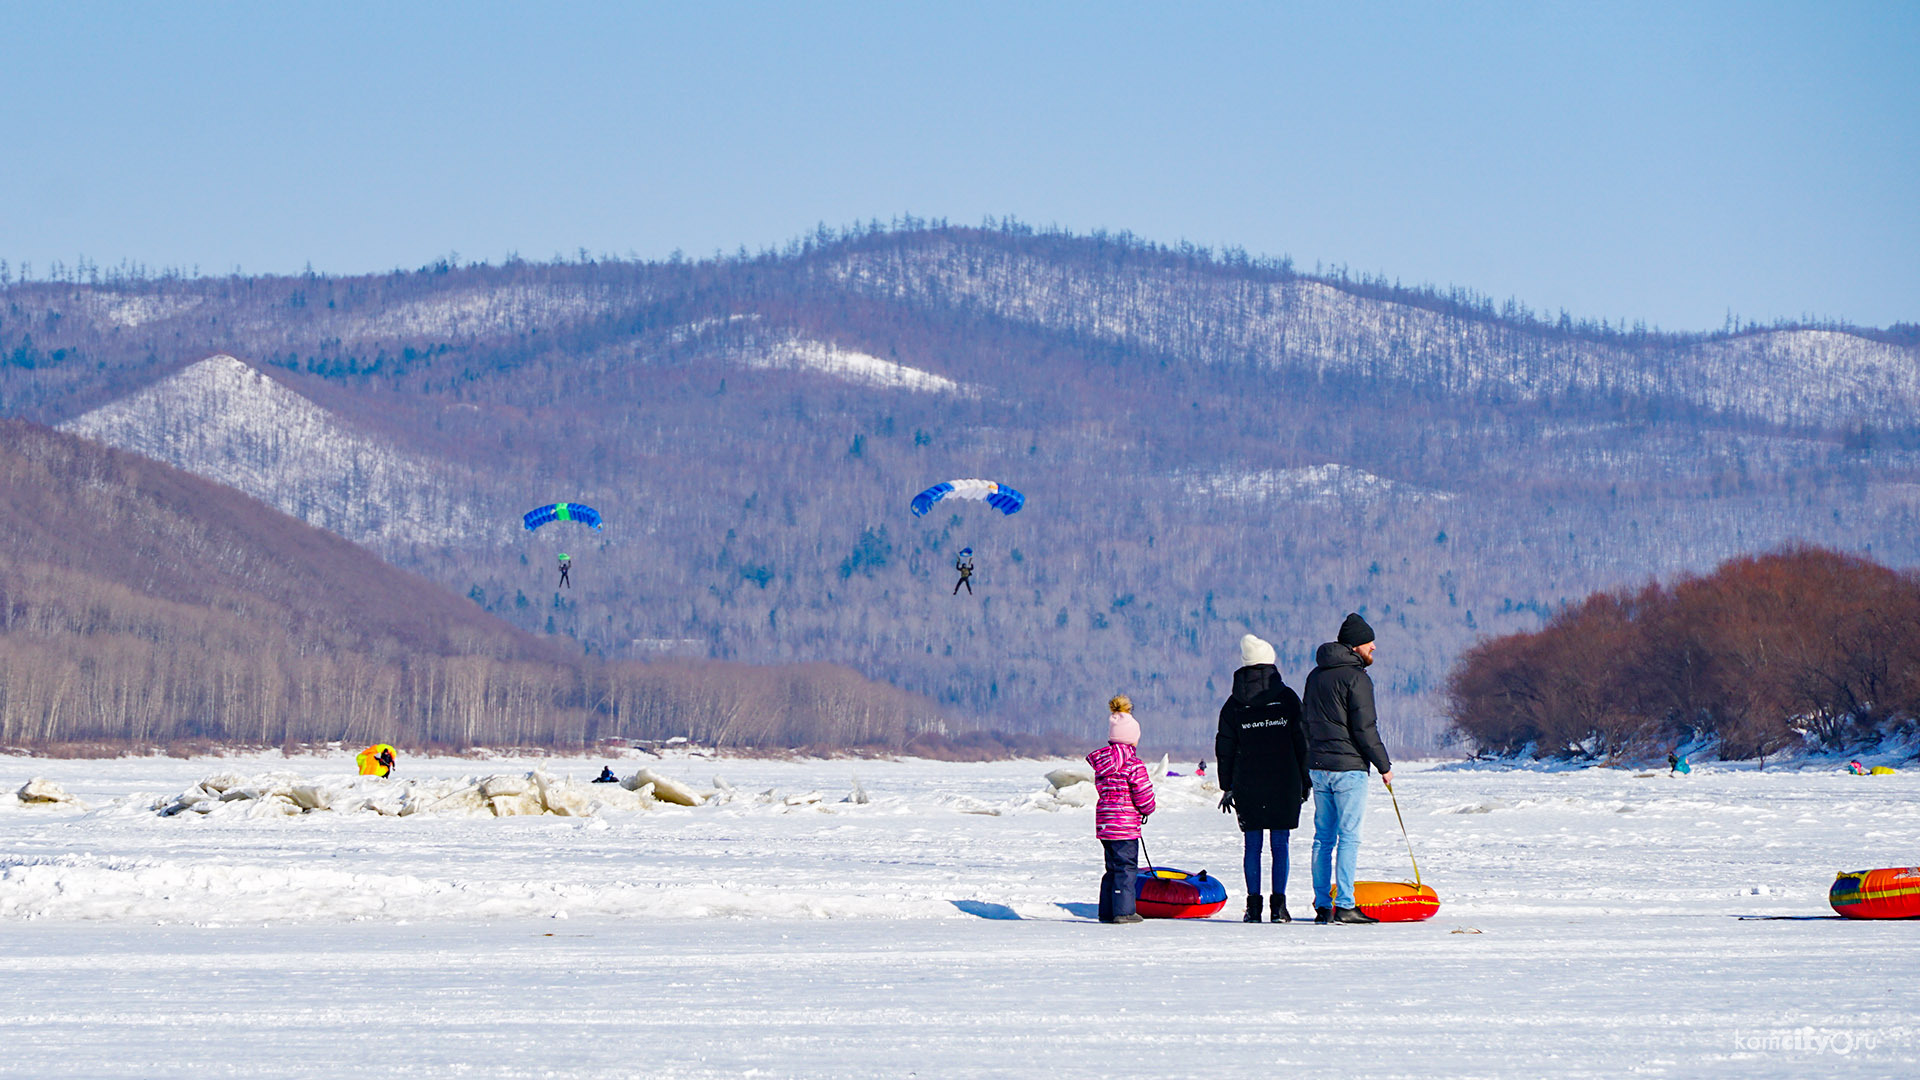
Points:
[(1262, 750)]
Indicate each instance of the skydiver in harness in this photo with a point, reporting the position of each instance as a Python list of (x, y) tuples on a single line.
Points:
[(566, 563), (964, 564)]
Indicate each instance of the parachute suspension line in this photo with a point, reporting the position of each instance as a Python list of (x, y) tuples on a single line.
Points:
[(1403, 834)]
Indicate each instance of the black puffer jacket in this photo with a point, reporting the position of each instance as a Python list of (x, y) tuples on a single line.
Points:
[(1262, 750), (1339, 713)]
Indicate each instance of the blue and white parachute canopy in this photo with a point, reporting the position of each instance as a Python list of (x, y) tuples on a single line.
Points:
[(997, 495), (585, 515)]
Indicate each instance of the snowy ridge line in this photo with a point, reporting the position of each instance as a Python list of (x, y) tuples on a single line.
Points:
[(1310, 483), (223, 420), (1786, 376), (848, 365)]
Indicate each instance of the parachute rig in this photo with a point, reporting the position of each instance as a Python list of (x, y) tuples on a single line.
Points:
[(547, 515), (992, 492)]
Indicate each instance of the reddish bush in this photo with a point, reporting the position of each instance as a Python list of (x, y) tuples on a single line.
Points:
[(1763, 652)]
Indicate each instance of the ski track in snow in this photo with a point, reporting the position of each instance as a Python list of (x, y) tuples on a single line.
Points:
[(763, 936)]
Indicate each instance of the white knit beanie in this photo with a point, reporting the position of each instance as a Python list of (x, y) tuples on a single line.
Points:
[(1254, 651)]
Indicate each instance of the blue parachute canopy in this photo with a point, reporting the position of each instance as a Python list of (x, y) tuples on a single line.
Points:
[(585, 515), (997, 495)]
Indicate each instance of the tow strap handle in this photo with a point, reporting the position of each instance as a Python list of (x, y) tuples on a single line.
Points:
[(1403, 834)]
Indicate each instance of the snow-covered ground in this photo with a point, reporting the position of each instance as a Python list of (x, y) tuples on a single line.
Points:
[(1589, 927)]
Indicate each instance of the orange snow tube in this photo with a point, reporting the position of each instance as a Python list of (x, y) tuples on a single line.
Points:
[(1888, 893), (1395, 901), (369, 759)]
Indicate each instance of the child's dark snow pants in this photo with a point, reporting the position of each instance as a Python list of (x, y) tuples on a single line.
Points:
[(1117, 884)]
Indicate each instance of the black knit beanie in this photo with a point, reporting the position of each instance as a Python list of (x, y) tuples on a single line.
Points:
[(1355, 632)]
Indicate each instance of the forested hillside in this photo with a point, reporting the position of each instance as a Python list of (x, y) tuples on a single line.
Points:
[(141, 605), (1209, 445)]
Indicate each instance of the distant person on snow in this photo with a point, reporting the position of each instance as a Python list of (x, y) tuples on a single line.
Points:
[(1343, 740), (1126, 801), (606, 776), (964, 564), (566, 563), (1677, 764), (1262, 749), (375, 760)]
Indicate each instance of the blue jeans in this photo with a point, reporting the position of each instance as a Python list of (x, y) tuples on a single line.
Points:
[(1252, 861), (1339, 803), (1117, 884)]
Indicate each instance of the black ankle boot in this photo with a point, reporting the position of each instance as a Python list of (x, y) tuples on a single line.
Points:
[(1352, 915), (1322, 916), (1253, 908), (1278, 907)]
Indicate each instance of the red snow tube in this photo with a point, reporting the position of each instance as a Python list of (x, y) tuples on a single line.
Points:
[(1395, 901), (1888, 893), (1161, 893)]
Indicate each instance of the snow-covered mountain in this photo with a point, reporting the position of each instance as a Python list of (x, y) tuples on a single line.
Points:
[(1208, 447), (1799, 377), (232, 424)]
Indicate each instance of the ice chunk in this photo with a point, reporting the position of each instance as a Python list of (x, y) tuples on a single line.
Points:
[(42, 792), (664, 789), (1069, 775), (496, 786), (1080, 794)]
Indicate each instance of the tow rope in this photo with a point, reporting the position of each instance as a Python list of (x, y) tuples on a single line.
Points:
[(1403, 834)]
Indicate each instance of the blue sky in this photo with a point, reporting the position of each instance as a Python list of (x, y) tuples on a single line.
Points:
[(1662, 162)]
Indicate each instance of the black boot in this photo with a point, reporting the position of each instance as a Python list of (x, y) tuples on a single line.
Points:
[(1322, 916), (1253, 908), (1352, 915), (1279, 908)]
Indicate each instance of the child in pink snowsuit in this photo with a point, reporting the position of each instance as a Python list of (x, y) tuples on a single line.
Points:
[(1126, 799)]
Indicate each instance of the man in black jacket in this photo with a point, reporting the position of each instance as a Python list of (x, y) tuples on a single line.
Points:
[(1344, 741), (1262, 749)]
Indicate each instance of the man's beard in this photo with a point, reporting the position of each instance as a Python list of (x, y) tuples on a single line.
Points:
[(1366, 660)]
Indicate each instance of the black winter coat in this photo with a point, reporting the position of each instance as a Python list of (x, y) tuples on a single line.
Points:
[(1339, 712), (1262, 750)]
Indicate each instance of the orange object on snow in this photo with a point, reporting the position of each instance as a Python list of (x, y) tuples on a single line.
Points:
[(1887, 893), (376, 760), (1395, 901)]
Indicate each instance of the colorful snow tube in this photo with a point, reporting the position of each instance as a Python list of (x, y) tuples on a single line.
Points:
[(1160, 893), (1887, 893), (1395, 901)]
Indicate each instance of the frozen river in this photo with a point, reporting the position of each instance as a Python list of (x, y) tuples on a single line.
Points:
[(1589, 927)]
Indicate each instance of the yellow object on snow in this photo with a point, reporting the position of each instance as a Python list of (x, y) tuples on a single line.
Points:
[(1883, 770), (376, 760)]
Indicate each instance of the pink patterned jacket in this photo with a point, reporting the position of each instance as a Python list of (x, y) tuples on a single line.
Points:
[(1126, 795)]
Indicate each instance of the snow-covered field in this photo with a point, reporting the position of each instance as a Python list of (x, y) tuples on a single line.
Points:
[(1589, 928)]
